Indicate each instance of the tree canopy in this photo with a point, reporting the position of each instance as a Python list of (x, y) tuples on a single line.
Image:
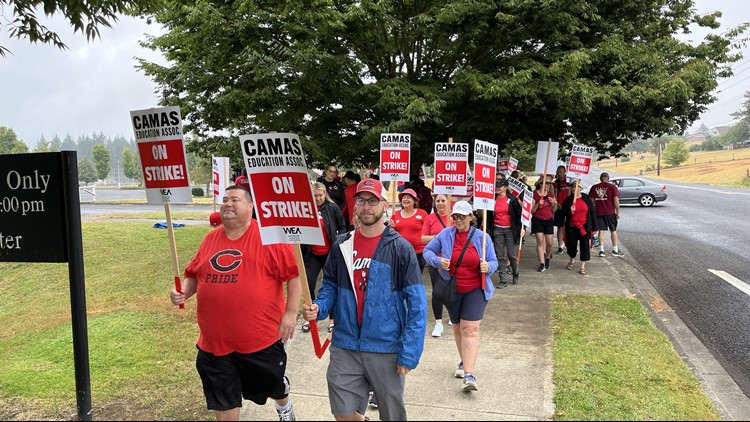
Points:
[(86, 16), (101, 156), (341, 72), (9, 142)]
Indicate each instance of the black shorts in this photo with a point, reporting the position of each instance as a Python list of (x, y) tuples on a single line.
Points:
[(542, 226), (254, 376), (559, 218), (606, 222)]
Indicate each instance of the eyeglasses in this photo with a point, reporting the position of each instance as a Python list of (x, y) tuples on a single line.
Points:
[(456, 217), (372, 201), (332, 171)]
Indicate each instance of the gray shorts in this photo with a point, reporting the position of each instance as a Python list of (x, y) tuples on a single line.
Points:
[(352, 375)]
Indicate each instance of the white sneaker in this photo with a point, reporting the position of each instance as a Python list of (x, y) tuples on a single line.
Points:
[(459, 372), (449, 322), (438, 331)]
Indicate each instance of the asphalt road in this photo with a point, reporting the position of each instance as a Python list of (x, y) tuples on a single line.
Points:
[(691, 248)]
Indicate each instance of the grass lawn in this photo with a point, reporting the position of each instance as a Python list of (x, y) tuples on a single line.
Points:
[(610, 361), (157, 215)]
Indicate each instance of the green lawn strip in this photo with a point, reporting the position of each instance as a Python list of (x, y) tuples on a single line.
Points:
[(612, 363), (142, 348), (157, 215), (196, 200)]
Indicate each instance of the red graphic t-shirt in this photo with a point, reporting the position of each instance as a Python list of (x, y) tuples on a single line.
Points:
[(364, 248), (240, 295), (604, 195), (411, 228), (563, 189), (468, 276)]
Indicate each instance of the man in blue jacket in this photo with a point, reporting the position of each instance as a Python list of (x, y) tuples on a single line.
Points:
[(372, 283)]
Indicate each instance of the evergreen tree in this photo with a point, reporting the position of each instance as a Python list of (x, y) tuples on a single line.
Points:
[(676, 152)]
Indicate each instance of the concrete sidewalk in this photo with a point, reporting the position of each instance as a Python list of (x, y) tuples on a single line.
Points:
[(514, 367)]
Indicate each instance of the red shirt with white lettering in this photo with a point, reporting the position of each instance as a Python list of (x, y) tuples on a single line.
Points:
[(364, 248), (410, 228), (239, 291)]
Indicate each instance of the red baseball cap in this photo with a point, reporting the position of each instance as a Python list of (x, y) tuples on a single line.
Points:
[(215, 219), (371, 185), (242, 181)]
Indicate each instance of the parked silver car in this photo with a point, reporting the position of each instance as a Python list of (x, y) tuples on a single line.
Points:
[(634, 190)]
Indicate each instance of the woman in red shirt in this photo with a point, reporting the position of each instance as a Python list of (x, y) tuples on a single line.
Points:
[(434, 224), (579, 213), (408, 222), (543, 208)]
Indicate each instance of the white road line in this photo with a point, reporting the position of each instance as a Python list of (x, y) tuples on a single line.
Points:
[(711, 189), (734, 281)]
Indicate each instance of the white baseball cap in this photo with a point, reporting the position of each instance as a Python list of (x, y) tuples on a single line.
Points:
[(461, 208)]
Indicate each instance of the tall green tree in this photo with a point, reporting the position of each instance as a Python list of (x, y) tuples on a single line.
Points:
[(739, 133), (101, 157), (86, 16), (9, 142), (676, 152), (128, 164), (86, 172), (341, 72)]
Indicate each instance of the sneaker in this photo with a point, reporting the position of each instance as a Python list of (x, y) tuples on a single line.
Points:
[(286, 415), (330, 328), (450, 322), (559, 251), (596, 241), (502, 285), (541, 268), (617, 253), (372, 401), (602, 254), (306, 327), (515, 279), (508, 269), (546, 263), (438, 331), (470, 383), (459, 372)]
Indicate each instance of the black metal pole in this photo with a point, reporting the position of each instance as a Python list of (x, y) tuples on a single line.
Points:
[(77, 286)]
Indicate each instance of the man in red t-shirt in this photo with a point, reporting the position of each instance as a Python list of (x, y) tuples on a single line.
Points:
[(606, 198), (242, 315)]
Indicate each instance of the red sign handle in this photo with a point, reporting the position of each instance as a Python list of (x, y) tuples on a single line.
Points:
[(317, 347), (178, 287)]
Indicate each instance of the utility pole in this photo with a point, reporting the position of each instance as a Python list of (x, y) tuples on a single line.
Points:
[(118, 174), (658, 159)]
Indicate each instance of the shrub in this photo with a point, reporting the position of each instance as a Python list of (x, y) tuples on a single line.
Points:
[(625, 159), (197, 191)]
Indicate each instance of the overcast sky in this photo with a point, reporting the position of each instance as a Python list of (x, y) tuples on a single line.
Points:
[(93, 86)]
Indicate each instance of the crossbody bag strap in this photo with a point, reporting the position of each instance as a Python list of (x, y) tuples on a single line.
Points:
[(463, 251), (440, 219)]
